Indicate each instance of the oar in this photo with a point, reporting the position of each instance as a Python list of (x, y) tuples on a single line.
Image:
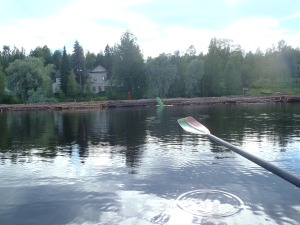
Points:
[(191, 125)]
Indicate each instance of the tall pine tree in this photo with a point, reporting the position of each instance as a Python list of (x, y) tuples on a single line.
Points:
[(108, 60), (65, 71), (78, 63)]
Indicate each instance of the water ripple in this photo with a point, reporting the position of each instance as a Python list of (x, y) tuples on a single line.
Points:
[(210, 203)]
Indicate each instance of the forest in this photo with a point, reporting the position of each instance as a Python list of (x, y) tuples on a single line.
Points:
[(224, 70)]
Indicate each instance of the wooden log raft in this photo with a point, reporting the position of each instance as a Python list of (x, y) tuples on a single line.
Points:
[(152, 102), (293, 99), (53, 106)]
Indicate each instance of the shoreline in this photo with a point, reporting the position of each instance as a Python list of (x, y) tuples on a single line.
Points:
[(241, 99)]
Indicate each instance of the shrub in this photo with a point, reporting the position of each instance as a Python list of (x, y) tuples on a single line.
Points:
[(10, 99)]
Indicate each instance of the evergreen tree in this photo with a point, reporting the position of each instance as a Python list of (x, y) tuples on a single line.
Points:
[(128, 67), (78, 63), (108, 60), (65, 71)]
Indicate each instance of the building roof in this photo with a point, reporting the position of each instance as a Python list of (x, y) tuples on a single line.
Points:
[(86, 72), (98, 69), (57, 74)]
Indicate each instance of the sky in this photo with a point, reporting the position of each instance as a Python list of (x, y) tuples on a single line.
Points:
[(161, 26)]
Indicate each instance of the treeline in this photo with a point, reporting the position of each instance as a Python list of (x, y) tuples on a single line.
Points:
[(225, 70)]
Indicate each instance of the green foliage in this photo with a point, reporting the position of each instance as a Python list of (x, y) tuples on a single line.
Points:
[(227, 70), (108, 60), (56, 59), (73, 87), (2, 84), (39, 96), (61, 96), (115, 94), (42, 52), (65, 71), (213, 69), (8, 55), (247, 70), (12, 99), (129, 68), (177, 89), (90, 60), (233, 74), (191, 51), (232, 78), (35, 96), (29, 74), (88, 88), (160, 75), (78, 63), (99, 59), (194, 74)]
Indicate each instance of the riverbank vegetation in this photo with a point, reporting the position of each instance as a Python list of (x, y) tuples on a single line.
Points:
[(226, 69)]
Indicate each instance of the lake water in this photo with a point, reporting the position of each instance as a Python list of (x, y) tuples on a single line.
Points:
[(138, 166)]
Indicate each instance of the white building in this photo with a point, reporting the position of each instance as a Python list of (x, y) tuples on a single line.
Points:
[(56, 85), (97, 77)]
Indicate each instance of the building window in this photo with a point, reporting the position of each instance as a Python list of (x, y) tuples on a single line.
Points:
[(99, 88), (103, 78), (106, 88), (94, 89)]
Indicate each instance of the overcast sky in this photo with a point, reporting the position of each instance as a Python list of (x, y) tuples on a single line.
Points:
[(159, 25)]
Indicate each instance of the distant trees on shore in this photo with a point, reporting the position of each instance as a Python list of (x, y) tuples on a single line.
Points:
[(224, 70)]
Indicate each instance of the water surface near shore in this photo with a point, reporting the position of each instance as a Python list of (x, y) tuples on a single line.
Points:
[(137, 166)]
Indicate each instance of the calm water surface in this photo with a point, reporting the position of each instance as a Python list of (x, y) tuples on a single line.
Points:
[(137, 166)]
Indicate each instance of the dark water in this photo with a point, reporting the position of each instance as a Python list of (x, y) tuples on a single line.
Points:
[(137, 166)]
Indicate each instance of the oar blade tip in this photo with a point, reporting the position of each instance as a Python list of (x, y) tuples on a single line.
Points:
[(191, 125)]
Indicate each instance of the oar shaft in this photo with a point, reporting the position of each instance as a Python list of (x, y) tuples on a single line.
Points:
[(268, 166)]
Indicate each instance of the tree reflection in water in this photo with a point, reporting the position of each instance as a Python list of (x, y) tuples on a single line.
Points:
[(131, 164)]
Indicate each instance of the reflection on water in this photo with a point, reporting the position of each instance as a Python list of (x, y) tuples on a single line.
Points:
[(128, 166)]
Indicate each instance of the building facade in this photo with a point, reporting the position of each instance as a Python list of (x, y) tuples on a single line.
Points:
[(97, 78), (56, 85)]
